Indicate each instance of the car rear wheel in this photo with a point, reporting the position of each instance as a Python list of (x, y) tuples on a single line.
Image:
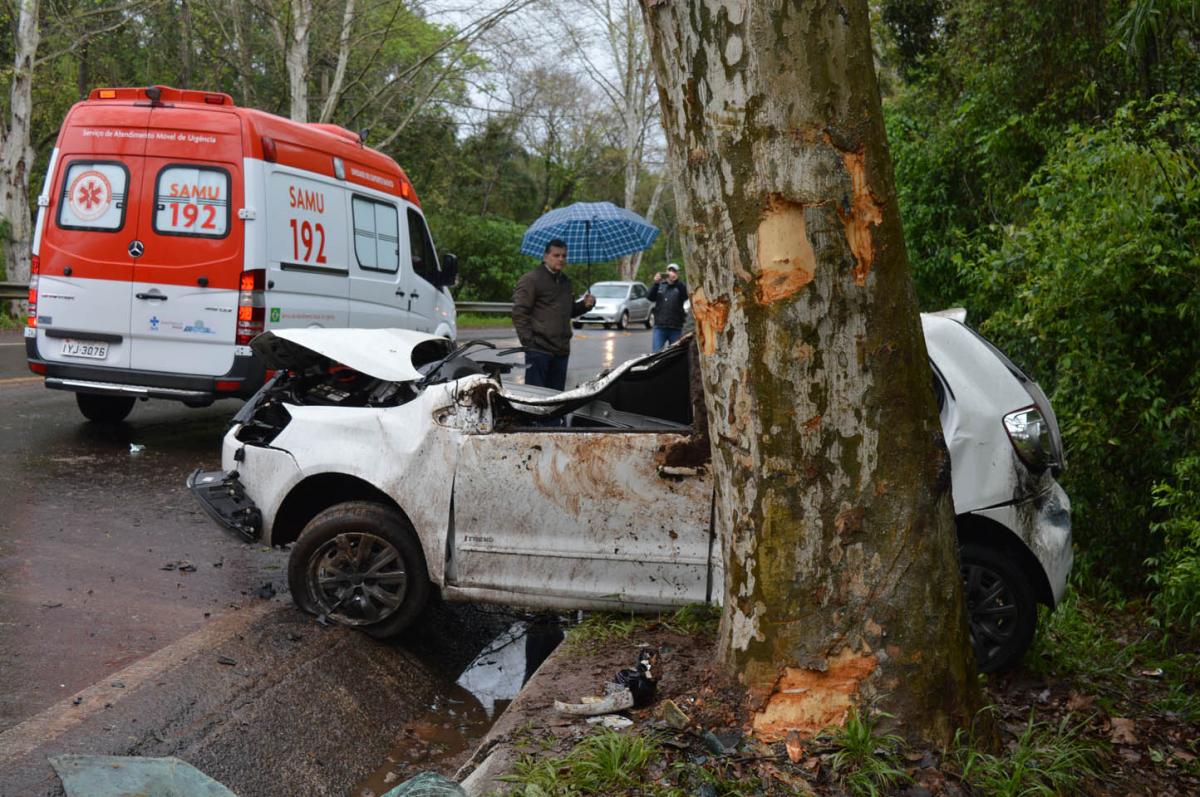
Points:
[(359, 564), (623, 321), (1001, 607), (577, 325), (104, 409)]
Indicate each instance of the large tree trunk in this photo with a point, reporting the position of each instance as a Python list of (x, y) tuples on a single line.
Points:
[(16, 158), (833, 483), (296, 58)]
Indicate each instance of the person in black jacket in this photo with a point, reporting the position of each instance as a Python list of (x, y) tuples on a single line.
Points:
[(669, 295), (543, 306)]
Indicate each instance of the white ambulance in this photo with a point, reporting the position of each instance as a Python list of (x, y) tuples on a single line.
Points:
[(174, 227)]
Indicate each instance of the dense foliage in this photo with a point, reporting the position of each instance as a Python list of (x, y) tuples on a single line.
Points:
[(1048, 162)]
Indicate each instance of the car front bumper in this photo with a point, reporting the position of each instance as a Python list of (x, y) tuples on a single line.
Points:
[(223, 497), (1044, 524)]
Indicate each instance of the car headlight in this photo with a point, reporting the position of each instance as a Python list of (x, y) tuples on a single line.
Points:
[(1030, 437)]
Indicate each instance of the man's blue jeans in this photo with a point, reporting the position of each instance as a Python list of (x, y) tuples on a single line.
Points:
[(665, 336), (546, 370)]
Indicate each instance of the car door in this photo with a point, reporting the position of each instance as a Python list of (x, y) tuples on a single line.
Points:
[(639, 304), (581, 519), (423, 287)]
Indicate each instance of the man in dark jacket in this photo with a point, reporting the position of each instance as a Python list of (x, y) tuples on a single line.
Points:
[(669, 296), (543, 306)]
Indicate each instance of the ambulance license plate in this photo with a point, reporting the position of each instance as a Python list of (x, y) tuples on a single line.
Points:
[(91, 349)]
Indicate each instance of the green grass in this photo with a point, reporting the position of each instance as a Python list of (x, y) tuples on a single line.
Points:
[(598, 628), (1046, 761), (603, 764), (469, 320), (865, 761)]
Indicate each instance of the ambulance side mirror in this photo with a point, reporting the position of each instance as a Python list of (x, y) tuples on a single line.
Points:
[(449, 270)]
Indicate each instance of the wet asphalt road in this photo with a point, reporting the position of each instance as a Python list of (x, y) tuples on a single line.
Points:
[(110, 641)]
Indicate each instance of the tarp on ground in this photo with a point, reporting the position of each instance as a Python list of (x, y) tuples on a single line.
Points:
[(130, 776)]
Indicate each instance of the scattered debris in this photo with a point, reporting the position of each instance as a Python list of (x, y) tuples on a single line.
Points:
[(77, 701), (51, 605), (673, 715), (1122, 731), (1157, 672), (619, 700), (266, 591), (228, 662), (183, 566), (641, 680), (294, 637), (136, 448), (611, 721), (795, 746), (712, 743), (115, 776)]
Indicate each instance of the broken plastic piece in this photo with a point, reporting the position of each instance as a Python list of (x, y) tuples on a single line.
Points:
[(617, 701), (136, 448), (674, 716), (611, 721)]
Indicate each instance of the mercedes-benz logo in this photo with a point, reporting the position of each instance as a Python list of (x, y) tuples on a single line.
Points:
[(136, 248)]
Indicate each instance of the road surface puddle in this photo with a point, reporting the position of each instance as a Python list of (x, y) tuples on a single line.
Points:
[(459, 715)]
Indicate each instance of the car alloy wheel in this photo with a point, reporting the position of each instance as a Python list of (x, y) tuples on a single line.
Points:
[(623, 322), (358, 564), (1001, 608)]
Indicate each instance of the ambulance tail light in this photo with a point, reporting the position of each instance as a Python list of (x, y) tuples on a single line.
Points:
[(252, 305), (35, 268)]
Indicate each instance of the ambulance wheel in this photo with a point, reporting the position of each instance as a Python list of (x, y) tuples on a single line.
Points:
[(359, 564), (104, 409), (623, 322)]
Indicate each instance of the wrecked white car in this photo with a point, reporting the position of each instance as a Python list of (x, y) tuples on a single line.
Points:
[(398, 464)]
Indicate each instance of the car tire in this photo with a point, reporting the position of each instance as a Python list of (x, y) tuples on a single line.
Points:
[(649, 320), (381, 589), (607, 326), (577, 325), (1001, 607), (623, 321), (104, 409)]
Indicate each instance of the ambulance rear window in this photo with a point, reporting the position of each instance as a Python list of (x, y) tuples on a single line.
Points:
[(94, 196), (192, 201), (376, 235)]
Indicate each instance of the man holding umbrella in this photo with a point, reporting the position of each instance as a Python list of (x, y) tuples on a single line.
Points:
[(543, 306)]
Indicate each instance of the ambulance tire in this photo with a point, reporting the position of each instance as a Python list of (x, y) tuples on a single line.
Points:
[(104, 409), (359, 564)]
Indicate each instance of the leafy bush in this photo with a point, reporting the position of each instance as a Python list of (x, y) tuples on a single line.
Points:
[(1175, 573), (1045, 761), (1097, 293), (489, 254)]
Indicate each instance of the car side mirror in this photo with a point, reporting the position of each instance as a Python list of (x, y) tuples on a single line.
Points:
[(449, 269)]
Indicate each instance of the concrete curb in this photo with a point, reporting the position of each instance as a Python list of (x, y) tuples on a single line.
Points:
[(496, 753)]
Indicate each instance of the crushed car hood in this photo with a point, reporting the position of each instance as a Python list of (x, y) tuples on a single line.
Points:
[(394, 355)]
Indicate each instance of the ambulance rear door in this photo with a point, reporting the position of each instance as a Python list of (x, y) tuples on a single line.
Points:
[(186, 280), (86, 232)]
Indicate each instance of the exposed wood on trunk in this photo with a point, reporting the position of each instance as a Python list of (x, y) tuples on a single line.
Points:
[(832, 480)]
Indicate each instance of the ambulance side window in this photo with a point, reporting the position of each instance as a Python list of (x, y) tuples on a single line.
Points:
[(424, 261), (376, 235), (192, 201), (94, 196)]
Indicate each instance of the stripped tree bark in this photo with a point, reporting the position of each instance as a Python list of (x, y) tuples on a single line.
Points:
[(832, 481), (16, 147)]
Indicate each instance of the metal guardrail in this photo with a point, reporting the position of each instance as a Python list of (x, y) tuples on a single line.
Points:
[(483, 307), (14, 290)]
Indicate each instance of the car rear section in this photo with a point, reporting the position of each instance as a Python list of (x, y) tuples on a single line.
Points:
[(138, 254)]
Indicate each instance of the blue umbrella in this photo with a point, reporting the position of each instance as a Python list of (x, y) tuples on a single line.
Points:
[(594, 232)]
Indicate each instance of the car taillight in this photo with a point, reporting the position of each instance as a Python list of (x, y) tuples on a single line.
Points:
[(252, 309), (35, 268), (1031, 439)]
